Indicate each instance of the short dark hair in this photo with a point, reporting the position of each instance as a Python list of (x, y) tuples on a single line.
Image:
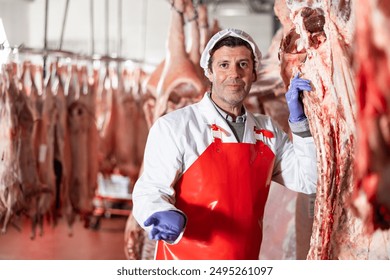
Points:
[(231, 42)]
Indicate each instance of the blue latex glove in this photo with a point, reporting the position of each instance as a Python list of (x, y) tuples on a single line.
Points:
[(294, 101), (167, 225)]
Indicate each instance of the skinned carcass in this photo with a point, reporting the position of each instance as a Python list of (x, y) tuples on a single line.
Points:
[(33, 188), (43, 107), (179, 84), (11, 194), (80, 117), (324, 31), (131, 128), (331, 114), (287, 236)]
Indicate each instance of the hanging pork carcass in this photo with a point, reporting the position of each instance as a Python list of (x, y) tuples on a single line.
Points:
[(44, 110), (81, 189), (11, 193), (33, 188), (372, 64), (179, 83)]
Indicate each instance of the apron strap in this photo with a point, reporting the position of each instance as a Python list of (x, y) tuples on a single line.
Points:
[(260, 134), (216, 132)]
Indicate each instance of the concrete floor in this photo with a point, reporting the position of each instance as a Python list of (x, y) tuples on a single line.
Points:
[(106, 243)]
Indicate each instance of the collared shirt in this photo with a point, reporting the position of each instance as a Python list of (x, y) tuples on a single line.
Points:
[(237, 126)]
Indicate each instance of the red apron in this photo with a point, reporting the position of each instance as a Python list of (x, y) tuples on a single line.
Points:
[(223, 194)]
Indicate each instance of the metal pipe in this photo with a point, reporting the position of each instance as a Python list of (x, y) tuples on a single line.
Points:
[(64, 24), (106, 27), (46, 25), (91, 12), (45, 37), (119, 27)]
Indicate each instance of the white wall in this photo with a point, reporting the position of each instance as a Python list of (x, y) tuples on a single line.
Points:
[(144, 26)]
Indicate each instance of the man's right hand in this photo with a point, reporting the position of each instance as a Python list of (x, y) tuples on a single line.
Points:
[(167, 225)]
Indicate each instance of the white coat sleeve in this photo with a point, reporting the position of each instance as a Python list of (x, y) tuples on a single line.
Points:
[(154, 190), (295, 163)]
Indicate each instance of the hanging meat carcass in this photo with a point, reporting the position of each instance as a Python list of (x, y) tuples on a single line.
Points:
[(372, 163), (191, 16), (62, 149), (106, 115), (203, 20), (325, 35), (43, 108), (80, 117), (179, 84), (11, 194), (131, 128), (267, 97), (33, 188)]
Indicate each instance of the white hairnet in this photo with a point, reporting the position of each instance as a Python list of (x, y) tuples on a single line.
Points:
[(204, 60)]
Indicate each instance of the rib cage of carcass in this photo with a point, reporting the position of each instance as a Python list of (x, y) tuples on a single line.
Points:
[(325, 36)]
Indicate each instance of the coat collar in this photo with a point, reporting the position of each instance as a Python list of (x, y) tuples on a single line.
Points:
[(211, 116)]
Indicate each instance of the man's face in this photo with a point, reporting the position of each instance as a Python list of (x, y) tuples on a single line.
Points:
[(232, 76)]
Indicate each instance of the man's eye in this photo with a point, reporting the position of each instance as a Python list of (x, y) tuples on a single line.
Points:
[(223, 65), (243, 64)]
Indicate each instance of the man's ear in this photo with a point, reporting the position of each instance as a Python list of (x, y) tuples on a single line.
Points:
[(209, 75), (254, 77)]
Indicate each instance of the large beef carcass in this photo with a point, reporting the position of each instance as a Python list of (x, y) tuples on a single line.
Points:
[(372, 163), (325, 35), (332, 121), (287, 235)]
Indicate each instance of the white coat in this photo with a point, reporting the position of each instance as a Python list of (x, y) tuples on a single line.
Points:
[(177, 139)]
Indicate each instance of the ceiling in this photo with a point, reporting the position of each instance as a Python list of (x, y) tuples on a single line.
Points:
[(252, 6)]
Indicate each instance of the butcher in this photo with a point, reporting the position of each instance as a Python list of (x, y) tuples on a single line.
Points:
[(208, 166)]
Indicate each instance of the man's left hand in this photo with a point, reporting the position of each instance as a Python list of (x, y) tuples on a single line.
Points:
[(294, 101)]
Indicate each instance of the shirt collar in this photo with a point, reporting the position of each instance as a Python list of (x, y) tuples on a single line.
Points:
[(239, 119)]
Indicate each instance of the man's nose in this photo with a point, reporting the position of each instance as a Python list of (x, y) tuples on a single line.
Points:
[(235, 71)]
